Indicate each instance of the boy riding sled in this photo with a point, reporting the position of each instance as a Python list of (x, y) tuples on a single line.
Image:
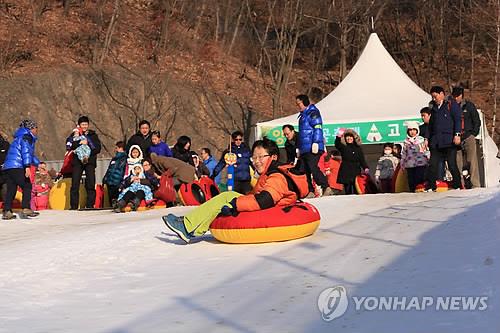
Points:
[(276, 186)]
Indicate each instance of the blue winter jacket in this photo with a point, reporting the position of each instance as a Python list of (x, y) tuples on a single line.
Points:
[(161, 149), (211, 163), (21, 152), (242, 169), (445, 122), (310, 130), (116, 169)]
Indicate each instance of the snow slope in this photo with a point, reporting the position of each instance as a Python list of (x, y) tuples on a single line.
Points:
[(98, 271)]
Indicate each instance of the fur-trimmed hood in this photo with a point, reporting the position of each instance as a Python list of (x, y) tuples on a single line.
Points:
[(357, 138), (130, 153)]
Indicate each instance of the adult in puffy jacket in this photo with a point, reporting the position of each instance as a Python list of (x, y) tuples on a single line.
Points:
[(79, 167), (272, 189), (241, 168), (182, 149), (142, 138), (17, 167), (444, 136), (348, 142), (310, 143)]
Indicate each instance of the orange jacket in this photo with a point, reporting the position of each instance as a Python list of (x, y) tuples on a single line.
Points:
[(271, 190)]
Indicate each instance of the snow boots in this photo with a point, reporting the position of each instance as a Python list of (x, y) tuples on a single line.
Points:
[(8, 215)]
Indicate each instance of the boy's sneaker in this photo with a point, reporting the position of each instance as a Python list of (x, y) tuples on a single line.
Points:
[(311, 195), (136, 202), (327, 191), (176, 224), (27, 213), (8, 215), (119, 206), (85, 160)]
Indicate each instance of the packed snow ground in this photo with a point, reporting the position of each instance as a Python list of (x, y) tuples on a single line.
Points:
[(98, 271)]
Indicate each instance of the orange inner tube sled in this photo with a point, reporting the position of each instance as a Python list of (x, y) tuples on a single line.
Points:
[(279, 223)]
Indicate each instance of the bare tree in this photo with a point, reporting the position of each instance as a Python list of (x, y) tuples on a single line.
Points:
[(109, 32), (138, 96), (38, 7)]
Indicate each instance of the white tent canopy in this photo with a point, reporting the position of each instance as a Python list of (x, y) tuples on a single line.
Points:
[(376, 98), (375, 90)]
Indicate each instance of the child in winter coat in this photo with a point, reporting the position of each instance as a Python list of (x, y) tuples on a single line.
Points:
[(134, 158), (386, 165), (329, 164), (136, 187), (41, 187), (83, 151), (414, 156), (116, 171), (158, 146), (353, 164)]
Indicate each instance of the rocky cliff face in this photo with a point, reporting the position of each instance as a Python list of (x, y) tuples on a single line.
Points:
[(116, 100)]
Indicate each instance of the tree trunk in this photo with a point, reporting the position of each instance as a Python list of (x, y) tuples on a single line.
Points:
[(110, 31), (471, 85), (217, 22), (495, 87), (66, 5), (166, 8), (200, 17), (236, 29)]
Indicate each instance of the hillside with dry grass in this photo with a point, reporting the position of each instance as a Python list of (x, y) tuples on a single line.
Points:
[(204, 68)]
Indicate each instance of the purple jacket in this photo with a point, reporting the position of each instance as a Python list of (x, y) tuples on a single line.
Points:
[(161, 149)]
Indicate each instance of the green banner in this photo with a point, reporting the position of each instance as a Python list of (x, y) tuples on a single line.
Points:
[(371, 132)]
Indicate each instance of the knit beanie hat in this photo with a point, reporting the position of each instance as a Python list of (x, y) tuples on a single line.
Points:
[(28, 123)]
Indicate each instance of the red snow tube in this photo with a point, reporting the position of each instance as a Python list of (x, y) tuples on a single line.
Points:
[(365, 185), (192, 194), (279, 223), (208, 187), (441, 186)]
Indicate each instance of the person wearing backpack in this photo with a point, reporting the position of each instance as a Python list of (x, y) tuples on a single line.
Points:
[(471, 123), (115, 172), (275, 187), (443, 137)]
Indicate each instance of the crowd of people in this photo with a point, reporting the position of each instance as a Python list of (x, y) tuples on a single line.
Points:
[(445, 140)]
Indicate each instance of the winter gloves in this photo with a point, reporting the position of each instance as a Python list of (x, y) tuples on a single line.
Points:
[(229, 209), (315, 148), (340, 132)]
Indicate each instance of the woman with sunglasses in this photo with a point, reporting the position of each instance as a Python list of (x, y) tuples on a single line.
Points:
[(241, 168)]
